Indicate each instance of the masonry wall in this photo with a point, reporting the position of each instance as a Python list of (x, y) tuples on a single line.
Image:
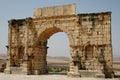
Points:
[(96, 32), (89, 36)]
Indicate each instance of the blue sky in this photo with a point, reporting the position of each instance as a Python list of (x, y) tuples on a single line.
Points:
[(15, 9)]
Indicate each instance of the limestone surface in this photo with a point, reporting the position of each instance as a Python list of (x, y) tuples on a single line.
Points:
[(89, 37)]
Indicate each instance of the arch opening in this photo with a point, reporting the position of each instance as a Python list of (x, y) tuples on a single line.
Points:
[(58, 45), (60, 50), (58, 53), (47, 33)]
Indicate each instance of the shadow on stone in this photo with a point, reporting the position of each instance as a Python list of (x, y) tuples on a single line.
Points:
[(57, 73)]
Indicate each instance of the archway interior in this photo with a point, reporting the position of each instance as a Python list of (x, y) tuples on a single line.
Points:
[(57, 44)]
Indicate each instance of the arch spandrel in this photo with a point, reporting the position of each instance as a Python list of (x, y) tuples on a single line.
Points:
[(67, 25)]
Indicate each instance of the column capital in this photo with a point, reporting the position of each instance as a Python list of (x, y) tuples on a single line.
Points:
[(28, 21), (12, 22)]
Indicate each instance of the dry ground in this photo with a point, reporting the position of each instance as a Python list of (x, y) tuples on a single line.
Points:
[(43, 77)]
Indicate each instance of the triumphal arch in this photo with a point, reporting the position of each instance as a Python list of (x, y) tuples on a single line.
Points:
[(89, 37)]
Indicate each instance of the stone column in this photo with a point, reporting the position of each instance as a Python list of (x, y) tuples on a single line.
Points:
[(17, 43), (25, 57), (7, 70), (74, 68), (76, 63), (101, 63), (75, 46)]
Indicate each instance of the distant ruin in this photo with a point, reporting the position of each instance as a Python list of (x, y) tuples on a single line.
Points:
[(89, 37)]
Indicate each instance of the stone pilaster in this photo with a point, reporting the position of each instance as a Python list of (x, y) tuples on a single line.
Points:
[(74, 68), (25, 56), (7, 70)]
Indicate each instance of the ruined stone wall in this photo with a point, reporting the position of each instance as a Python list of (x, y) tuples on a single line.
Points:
[(89, 35), (96, 31), (92, 31)]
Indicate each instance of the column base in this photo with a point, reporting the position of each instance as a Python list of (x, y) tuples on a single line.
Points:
[(24, 67), (39, 72), (24, 71), (87, 73), (92, 73), (100, 75), (7, 71), (36, 72), (73, 74), (16, 70)]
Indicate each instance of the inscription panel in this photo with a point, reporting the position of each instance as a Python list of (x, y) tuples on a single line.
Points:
[(54, 11)]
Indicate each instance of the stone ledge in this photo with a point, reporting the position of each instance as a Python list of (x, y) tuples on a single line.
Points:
[(91, 73)]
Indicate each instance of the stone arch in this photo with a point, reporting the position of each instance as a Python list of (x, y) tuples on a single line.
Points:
[(38, 59), (32, 34), (48, 32), (45, 32)]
